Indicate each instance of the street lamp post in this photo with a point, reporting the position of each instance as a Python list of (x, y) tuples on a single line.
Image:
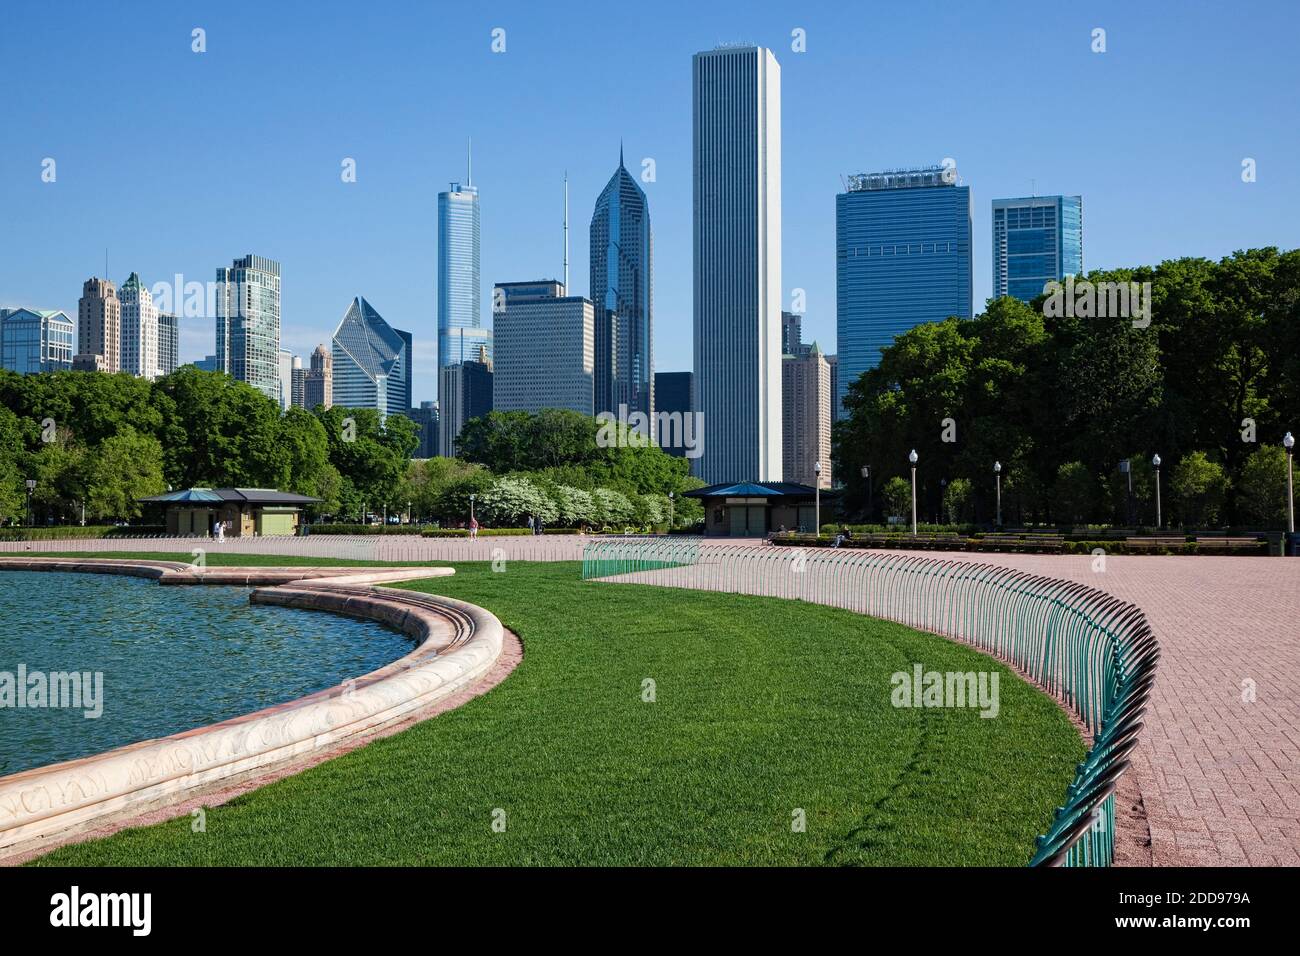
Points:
[(866, 473), (672, 510), (1289, 444), (31, 486), (997, 478), (1155, 462), (912, 458), (472, 496), (817, 492)]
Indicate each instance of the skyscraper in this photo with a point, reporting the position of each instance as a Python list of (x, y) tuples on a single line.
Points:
[(673, 397), (806, 425), (99, 326), (426, 417), (248, 323), (298, 388), (833, 362), (1035, 241), (139, 329), (318, 383), (370, 362), (169, 343), (902, 257), (737, 250), (286, 379), (465, 391), (621, 254), (33, 340), (545, 348), (792, 335), (460, 327)]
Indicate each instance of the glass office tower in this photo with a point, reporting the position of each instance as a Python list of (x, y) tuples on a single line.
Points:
[(36, 340), (1036, 240), (902, 257), (248, 323), (621, 251), (371, 362), (460, 326)]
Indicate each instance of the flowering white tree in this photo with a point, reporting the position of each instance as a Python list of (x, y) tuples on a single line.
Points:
[(510, 500), (612, 507)]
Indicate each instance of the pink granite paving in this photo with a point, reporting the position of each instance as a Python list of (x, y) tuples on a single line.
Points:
[(1219, 775)]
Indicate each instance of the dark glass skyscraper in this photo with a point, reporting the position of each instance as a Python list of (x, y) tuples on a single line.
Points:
[(902, 257), (1036, 240), (621, 254)]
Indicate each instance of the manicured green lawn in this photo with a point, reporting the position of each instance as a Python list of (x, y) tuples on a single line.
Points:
[(762, 707)]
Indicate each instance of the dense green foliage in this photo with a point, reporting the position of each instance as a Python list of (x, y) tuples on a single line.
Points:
[(1060, 400), (762, 708), (100, 442)]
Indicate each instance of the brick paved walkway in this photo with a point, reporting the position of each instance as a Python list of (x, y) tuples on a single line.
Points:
[(1219, 775)]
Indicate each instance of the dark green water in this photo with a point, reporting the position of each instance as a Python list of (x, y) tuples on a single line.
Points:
[(172, 658)]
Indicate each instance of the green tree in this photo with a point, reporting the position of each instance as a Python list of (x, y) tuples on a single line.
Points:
[(1261, 490), (958, 501), (1074, 495), (898, 498), (1199, 487), (119, 471)]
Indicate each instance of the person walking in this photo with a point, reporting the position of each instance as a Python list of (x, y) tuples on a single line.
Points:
[(473, 528)]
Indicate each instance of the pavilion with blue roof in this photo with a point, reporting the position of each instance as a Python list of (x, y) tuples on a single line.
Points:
[(753, 509), (243, 512)]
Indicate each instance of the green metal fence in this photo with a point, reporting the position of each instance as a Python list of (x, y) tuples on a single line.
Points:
[(1093, 651)]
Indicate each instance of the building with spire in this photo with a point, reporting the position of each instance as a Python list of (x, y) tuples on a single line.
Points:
[(460, 324), (371, 362), (318, 381), (139, 329), (621, 295)]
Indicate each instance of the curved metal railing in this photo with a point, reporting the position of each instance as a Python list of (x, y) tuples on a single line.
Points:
[(1094, 652)]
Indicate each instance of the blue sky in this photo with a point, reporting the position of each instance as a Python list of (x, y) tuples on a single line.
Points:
[(179, 162)]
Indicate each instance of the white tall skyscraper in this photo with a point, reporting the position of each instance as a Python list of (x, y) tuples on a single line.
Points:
[(737, 173), (139, 329)]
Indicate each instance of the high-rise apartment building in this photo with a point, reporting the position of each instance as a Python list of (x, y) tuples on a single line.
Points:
[(806, 425), (902, 258), (139, 343), (298, 388), (792, 334), (370, 362), (169, 343), (286, 379), (621, 296), (248, 323), (99, 327), (36, 340), (1036, 240), (545, 348), (737, 262), (318, 382)]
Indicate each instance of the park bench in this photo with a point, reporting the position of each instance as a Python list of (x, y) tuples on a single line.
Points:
[(1155, 542), (1227, 543), (1021, 543)]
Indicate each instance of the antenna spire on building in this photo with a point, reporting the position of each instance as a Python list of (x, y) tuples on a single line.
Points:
[(620, 152), (469, 165), (566, 232)]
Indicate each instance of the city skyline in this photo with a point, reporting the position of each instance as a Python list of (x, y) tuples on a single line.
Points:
[(1138, 208)]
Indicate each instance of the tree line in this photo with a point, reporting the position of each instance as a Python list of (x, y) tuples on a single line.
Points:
[(96, 443), (1209, 380)]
